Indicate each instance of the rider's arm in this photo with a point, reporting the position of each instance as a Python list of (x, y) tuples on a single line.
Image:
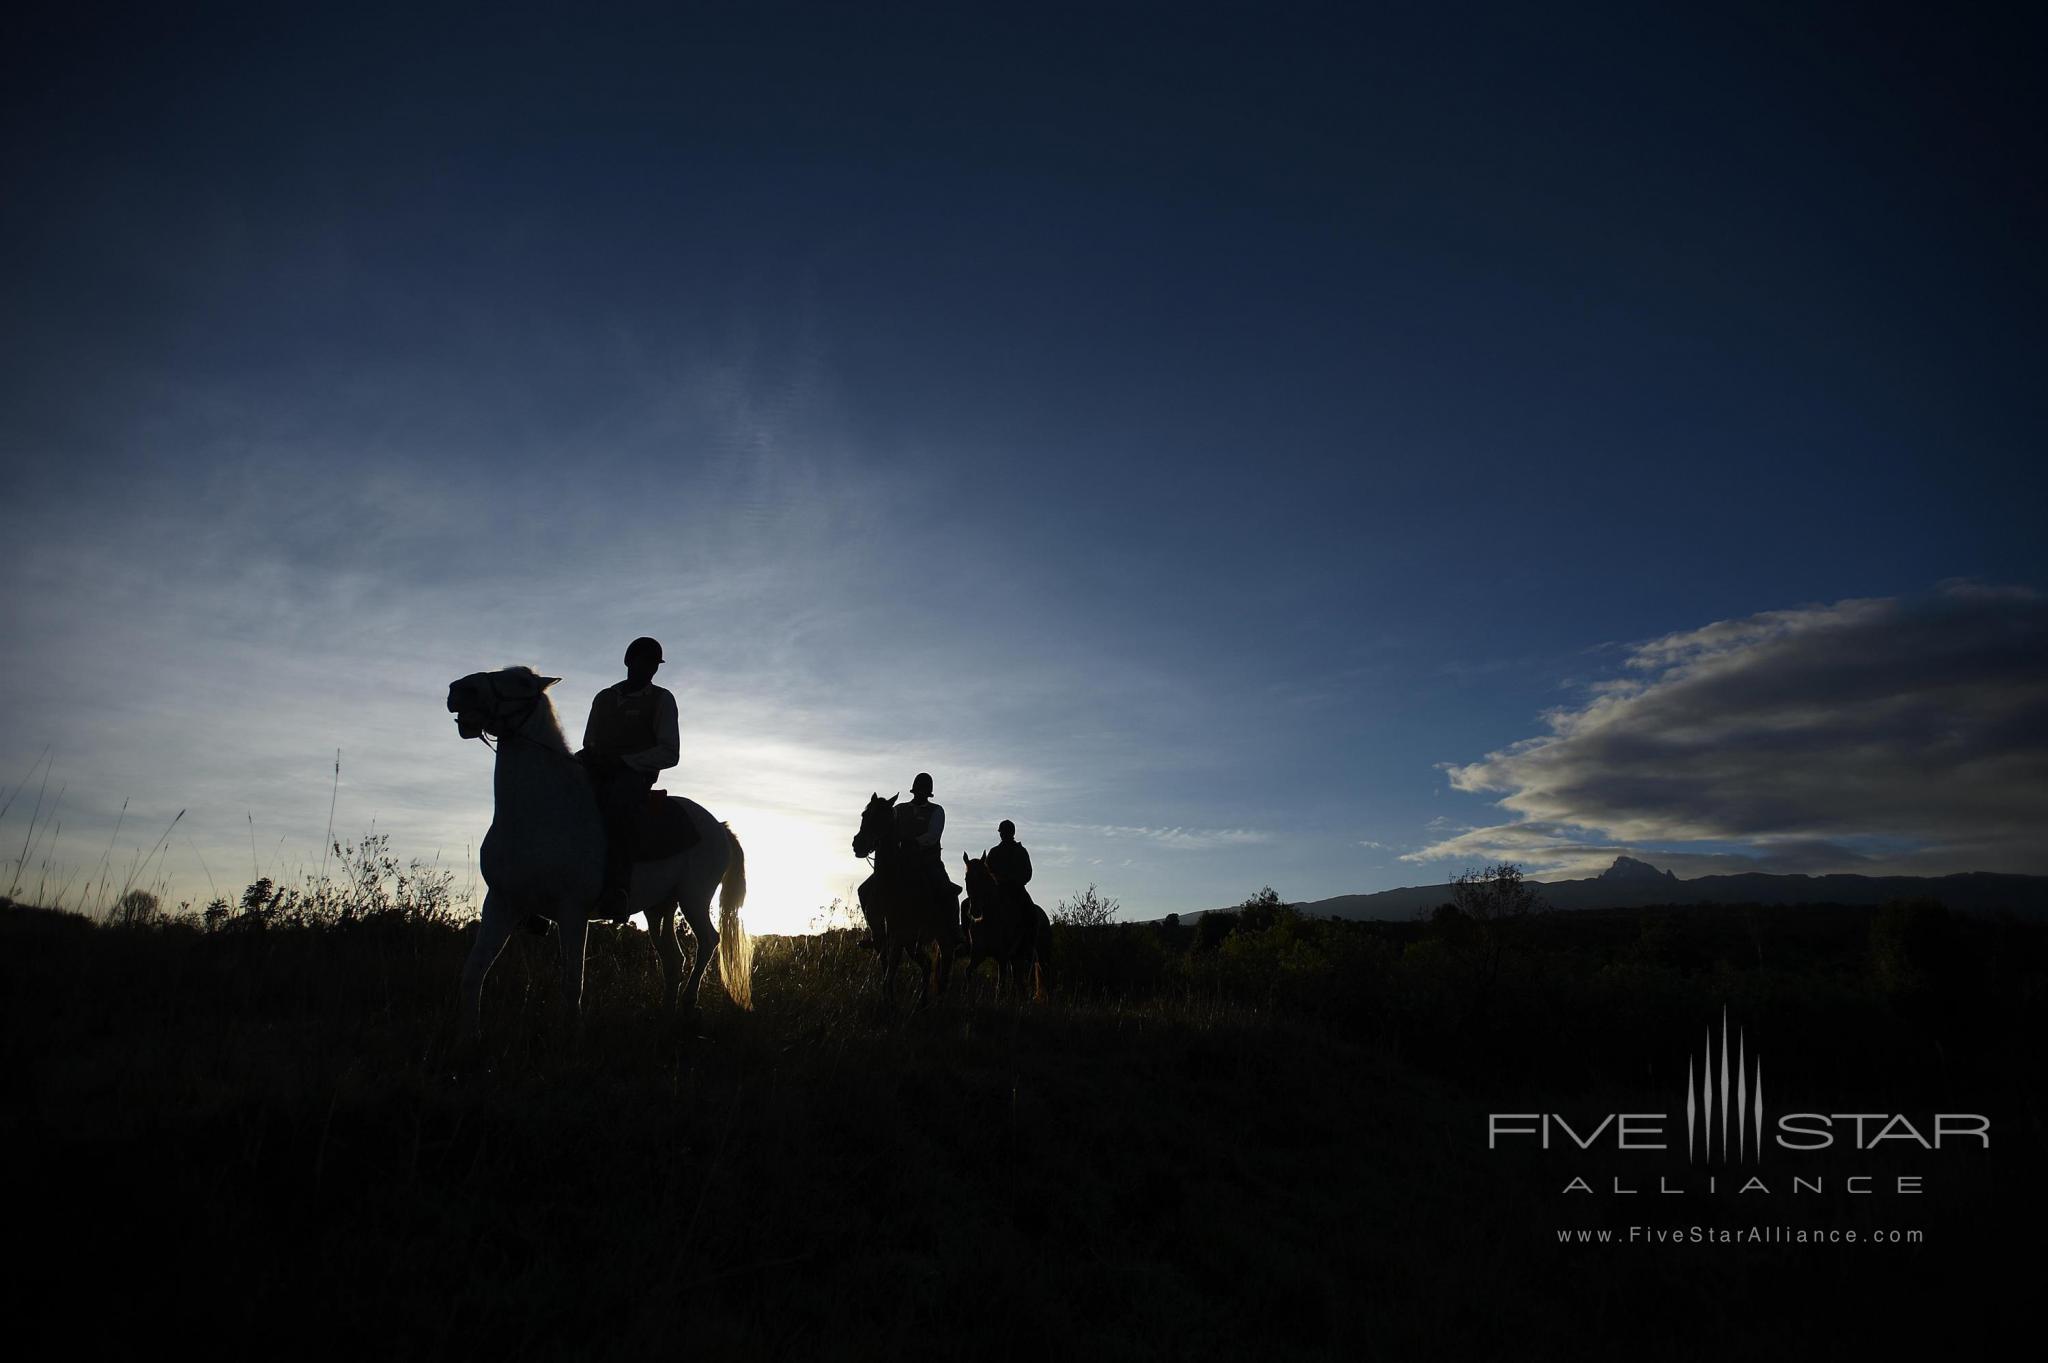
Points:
[(1023, 865), (668, 743), (930, 837)]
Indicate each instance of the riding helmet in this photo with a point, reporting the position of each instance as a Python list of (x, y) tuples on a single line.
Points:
[(644, 647)]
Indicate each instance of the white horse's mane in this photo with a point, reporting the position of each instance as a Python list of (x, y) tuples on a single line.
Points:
[(546, 724)]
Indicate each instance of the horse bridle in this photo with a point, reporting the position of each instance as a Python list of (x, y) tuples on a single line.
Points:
[(508, 730), (882, 839)]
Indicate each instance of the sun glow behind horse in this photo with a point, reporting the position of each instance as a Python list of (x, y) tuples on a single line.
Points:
[(796, 867)]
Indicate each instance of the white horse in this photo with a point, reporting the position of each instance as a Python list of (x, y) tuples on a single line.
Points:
[(544, 855)]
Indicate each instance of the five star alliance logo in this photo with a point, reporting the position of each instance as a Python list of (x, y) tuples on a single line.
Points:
[(1726, 1124)]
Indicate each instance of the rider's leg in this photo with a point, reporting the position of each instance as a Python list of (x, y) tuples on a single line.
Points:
[(619, 797), (948, 894)]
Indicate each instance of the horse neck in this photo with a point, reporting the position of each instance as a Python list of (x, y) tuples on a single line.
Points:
[(884, 843), (535, 771)]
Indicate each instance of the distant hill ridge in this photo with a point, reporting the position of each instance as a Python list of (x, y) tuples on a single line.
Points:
[(1630, 883)]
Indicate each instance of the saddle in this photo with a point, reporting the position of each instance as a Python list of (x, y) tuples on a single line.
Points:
[(662, 828)]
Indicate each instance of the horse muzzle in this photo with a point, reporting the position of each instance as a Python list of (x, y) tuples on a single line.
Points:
[(468, 722)]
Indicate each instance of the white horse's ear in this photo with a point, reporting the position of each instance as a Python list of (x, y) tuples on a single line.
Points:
[(546, 682)]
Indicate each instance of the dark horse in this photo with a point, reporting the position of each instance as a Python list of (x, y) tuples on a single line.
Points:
[(1003, 924), (905, 911)]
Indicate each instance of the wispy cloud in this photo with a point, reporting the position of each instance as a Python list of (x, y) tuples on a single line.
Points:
[(1175, 839)]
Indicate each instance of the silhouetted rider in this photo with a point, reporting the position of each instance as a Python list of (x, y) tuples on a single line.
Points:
[(1010, 862), (1011, 865), (632, 735), (918, 826)]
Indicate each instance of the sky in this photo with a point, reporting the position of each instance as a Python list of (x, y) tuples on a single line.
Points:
[(1319, 447)]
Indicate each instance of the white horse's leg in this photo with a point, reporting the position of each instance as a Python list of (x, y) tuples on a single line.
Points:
[(574, 927), (698, 911), (661, 925), (491, 932)]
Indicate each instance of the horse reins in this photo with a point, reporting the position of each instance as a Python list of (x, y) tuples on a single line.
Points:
[(510, 730)]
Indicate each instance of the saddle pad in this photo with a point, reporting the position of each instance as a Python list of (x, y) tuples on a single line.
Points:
[(662, 829)]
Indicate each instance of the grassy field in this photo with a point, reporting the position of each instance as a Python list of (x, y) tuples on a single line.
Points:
[(1263, 1138)]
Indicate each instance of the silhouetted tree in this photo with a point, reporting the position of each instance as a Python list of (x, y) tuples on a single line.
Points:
[(1212, 928), (1497, 894), (1450, 925), (1262, 911), (134, 909), (260, 900), (1493, 903), (1086, 910)]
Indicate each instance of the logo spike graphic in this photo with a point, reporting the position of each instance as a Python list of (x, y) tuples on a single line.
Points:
[(1741, 1096), (1707, 1098), (1743, 1106), (1759, 1111), (1688, 1110), (1724, 1085)]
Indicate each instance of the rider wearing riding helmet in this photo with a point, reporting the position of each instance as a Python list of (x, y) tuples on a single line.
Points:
[(918, 826), (632, 735), (1010, 862)]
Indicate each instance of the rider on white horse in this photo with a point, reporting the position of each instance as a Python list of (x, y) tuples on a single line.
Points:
[(632, 736), (543, 857)]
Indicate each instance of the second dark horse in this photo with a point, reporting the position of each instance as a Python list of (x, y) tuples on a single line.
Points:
[(1003, 925)]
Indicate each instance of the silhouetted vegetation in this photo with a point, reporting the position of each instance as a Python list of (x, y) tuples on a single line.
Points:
[(136, 908), (1087, 909), (1247, 1133), (367, 883)]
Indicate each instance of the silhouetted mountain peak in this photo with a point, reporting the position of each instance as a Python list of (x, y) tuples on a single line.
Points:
[(1628, 868)]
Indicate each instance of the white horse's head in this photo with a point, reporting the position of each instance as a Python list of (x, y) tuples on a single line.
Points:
[(497, 703)]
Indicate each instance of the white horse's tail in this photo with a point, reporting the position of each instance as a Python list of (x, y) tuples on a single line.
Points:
[(735, 948)]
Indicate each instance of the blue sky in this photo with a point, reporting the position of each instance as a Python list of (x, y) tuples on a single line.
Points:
[(1215, 440)]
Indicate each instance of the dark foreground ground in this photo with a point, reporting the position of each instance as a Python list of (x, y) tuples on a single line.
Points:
[(1266, 1144)]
